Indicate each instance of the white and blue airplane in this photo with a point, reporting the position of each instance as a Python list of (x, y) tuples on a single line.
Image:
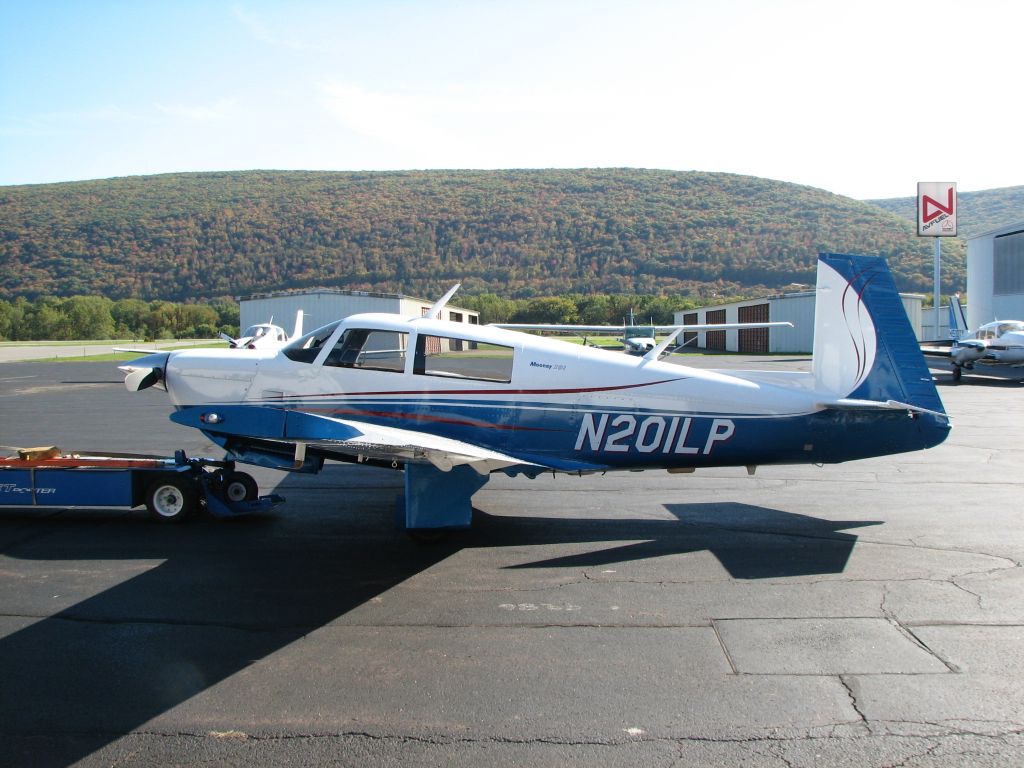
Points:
[(452, 403), (994, 349)]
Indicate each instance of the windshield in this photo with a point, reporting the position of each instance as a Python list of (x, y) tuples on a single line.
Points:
[(306, 348)]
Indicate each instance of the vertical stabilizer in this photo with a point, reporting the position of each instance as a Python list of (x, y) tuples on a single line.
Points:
[(957, 320), (864, 346)]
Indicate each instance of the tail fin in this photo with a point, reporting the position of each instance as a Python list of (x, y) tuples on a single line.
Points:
[(957, 321), (298, 326), (864, 346)]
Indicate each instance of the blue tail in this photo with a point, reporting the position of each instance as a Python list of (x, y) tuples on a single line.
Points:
[(864, 346), (957, 320)]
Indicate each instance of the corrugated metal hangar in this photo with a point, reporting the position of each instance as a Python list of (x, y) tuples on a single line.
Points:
[(995, 275), (796, 308), (326, 305)]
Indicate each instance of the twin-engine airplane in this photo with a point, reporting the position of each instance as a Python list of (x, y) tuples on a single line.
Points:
[(999, 344), (451, 403)]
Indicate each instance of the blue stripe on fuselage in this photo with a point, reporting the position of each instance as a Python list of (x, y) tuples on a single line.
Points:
[(560, 434)]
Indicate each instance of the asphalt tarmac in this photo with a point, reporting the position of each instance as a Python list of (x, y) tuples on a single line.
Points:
[(866, 614)]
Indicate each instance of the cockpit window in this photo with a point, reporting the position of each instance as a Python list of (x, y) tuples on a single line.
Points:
[(463, 359), (306, 348), (370, 349)]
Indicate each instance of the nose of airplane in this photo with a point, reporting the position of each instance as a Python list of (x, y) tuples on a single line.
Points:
[(193, 377)]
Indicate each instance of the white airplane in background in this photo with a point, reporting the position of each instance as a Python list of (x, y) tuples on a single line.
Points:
[(265, 335), (636, 339), (451, 403), (992, 349)]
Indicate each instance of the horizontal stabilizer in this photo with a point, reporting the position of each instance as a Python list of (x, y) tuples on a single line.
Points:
[(851, 404)]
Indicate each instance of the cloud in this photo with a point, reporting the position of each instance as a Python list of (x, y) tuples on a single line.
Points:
[(478, 127)]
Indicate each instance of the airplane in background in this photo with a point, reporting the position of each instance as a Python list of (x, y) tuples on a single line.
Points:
[(451, 403), (636, 339), (265, 335), (994, 349)]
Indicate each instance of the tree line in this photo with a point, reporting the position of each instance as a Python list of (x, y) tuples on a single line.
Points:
[(51, 318)]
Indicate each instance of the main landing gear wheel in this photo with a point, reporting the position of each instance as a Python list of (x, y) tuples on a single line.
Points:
[(957, 373), (172, 500), (238, 486)]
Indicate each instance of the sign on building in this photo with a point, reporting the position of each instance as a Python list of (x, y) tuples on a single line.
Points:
[(936, 208)]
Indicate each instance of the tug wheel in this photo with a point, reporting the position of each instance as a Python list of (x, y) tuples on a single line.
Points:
[(238, 486), (172, 499)]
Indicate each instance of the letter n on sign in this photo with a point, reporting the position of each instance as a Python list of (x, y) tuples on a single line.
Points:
[(936, 208)]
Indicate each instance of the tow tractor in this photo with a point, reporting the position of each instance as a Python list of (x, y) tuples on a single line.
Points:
[(171, 489)]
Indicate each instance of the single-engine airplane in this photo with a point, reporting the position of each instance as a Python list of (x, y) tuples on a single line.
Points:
[(992, 349), (265, 335), (451, 403)]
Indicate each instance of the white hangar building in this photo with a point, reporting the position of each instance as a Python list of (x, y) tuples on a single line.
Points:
[(325, 305), (995, 275), (796, 308)]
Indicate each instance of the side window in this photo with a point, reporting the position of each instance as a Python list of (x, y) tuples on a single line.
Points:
[(369, 349), (306, 348), (462, 359)]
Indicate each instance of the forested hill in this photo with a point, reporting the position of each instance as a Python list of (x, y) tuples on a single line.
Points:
[(514, 233), (977, 212)]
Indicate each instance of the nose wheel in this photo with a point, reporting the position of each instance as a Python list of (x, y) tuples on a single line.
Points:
[(238, 486)]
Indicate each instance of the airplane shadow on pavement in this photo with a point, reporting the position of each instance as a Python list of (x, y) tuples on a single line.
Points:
[(195, 604), (750, 542)]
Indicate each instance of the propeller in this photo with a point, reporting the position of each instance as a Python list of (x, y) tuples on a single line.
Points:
[(144, 372), (231, 342)]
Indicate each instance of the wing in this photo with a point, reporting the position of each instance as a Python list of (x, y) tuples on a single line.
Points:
[(346, 436), (937, 349), (625, 328)]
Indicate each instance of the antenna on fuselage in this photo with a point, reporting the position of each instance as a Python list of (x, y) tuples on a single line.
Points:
[(435, 311)]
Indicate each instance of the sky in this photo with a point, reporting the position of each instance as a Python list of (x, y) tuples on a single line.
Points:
[(862, 98)]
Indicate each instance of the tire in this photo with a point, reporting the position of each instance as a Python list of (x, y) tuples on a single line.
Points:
[(172, 499), (238, 486)]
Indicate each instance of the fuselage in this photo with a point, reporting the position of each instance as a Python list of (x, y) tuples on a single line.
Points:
[(996, 343), (543, 400)]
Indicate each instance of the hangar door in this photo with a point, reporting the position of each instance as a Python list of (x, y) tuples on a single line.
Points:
[(690, 318), (753, 339), (715, 339)]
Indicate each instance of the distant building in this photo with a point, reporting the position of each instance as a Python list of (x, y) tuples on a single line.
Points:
[(995, 275), (796, 308), (325, 305)]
